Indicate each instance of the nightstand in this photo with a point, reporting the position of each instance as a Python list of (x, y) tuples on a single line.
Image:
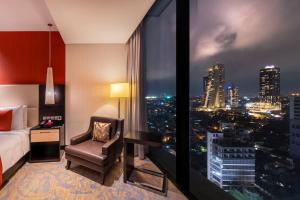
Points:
[(45, 144)]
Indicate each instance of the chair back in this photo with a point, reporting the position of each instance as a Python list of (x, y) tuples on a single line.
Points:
[(114, 123)]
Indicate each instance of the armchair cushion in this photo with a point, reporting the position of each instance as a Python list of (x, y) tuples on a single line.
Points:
[(113, 122), (101, 131), (88, 150)]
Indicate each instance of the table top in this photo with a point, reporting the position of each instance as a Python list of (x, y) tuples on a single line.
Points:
[(39, 127), (142, 137)]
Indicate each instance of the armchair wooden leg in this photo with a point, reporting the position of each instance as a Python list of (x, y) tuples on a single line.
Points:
[(102, 179), (68, 164)]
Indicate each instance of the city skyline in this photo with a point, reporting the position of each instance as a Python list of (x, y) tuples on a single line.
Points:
[(218, 35), (262, 87), (240, 35)]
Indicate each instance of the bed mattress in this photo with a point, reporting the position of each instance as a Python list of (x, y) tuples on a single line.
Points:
[(13, 146)]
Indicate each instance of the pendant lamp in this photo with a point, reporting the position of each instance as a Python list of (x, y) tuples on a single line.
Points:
[(49, 93)]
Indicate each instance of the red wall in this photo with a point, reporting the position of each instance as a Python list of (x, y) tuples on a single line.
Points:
[(24, 57)]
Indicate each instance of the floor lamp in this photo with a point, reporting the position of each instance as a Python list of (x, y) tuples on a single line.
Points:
[(119, 90)]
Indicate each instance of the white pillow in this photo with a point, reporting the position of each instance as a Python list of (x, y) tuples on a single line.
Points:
[(18, 116)]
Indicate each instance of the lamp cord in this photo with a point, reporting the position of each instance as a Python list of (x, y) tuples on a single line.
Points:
[(50, 47)]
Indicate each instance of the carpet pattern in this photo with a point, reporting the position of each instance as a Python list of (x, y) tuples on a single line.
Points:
[(51, 181)]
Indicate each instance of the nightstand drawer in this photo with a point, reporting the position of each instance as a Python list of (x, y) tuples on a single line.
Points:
[(45, 131), (44, 135)]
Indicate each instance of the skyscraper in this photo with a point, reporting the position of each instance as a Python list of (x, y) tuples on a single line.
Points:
[(204, 88), (205, 80), (269, 84), (232, 96), (214, 97), (295, 126)]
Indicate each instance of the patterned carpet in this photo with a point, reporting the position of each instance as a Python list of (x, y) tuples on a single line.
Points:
[(51, 181)]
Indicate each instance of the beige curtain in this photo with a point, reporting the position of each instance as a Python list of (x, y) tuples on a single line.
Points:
[(135, 115)]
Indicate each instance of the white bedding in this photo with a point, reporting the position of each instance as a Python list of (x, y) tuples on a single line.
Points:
[(13, 146)]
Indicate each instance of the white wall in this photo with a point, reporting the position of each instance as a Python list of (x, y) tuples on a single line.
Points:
[(90, 68)]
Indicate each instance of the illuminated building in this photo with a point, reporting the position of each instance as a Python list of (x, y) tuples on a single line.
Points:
[(210, 138), (214, 97), (205, 80), (232, 96), (231, 163), (262, 107), (269, 84), (295, 126)]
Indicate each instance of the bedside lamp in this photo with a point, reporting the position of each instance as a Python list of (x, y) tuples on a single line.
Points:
[(119, 90)]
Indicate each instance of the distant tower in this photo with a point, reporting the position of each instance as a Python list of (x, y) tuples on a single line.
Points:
[(269, 84), (205, 80), (214, 97), (295, 126), (204, 89), (232, 96)]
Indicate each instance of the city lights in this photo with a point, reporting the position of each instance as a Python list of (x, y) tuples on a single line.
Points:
[(232, 136), (262, 107)]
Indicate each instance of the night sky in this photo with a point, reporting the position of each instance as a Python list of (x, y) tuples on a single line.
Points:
[(244, 35)]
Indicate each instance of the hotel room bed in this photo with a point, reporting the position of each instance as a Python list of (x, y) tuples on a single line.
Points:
[(13, 146), (14, 150), (23, 100)]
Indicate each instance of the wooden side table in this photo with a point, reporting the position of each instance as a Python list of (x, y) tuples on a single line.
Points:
[(143, 138), (45, 144)]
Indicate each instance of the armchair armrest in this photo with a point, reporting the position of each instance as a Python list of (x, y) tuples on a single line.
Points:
[(112, 145), (80, 138)]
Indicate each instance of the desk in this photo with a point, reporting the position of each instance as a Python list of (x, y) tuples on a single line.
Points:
[(143, 138)]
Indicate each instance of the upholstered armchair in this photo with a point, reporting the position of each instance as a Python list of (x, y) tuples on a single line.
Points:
[(96, 155)]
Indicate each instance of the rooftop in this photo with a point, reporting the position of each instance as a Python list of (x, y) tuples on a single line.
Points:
[(232, 142)]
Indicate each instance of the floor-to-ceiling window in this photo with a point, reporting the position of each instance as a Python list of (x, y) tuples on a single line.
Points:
[(159, 62), (244, 100)]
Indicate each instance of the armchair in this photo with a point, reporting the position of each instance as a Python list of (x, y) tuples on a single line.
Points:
[(96, 155)]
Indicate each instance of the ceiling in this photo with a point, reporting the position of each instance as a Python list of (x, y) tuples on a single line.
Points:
[(24, 15), (97, 21), (78, 21)]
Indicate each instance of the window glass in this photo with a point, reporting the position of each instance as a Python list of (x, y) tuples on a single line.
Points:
[(244, 100), (160, 62)]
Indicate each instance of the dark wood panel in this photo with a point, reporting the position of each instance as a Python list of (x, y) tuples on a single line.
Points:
[(44, 152), (58, 109)]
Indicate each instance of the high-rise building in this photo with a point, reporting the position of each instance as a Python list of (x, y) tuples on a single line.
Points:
[(295, 126), (205, 80), (204, 88), (231, 162), (269, 84), (232, 96), (214, 97), (210, 138)]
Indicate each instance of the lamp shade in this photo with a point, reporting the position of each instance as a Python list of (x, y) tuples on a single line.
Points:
[(119, 90), (49, 94)]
